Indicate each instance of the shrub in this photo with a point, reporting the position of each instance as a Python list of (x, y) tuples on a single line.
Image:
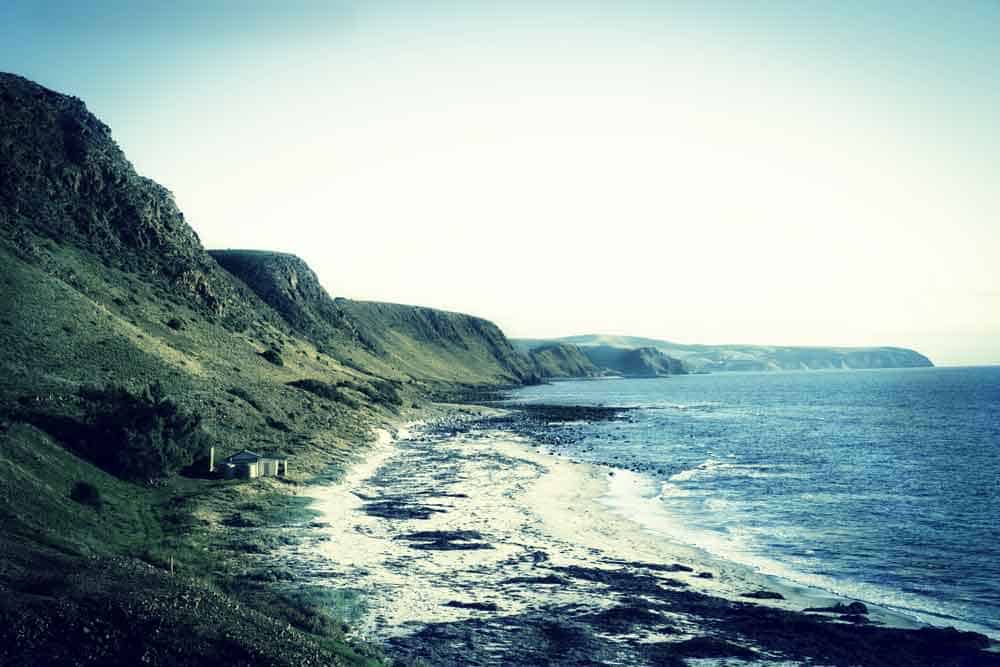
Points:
[(274, 356), (175, 323), (382, 392), (242, 393), (138, 436), (325, 390), (277, 424), (86, 493), (317, 387)]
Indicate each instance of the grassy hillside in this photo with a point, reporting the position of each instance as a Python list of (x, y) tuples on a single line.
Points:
[(126, 351)]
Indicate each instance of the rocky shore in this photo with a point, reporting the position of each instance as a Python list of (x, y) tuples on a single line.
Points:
[(469, 545)]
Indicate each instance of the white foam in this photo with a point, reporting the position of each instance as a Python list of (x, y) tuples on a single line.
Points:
[(636, 497)]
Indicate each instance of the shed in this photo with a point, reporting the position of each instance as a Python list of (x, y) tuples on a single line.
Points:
[(248, 465)]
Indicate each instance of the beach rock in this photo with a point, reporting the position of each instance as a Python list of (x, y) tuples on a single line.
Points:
[(479, 606), (445, 540), (623, 617), (547, 579), (705, 575), (841, 608), (763, 595), (855, 618), (712, 647)]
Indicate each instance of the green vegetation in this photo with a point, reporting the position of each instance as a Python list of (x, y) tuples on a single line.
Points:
[(137, 436), (87, 494), (273, 356)]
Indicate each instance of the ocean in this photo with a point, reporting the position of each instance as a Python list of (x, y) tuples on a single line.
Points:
[(881, 486)]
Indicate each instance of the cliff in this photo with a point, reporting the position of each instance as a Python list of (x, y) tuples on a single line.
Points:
[(63, 178)]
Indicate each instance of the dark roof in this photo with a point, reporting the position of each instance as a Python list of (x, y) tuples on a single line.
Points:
[(243, 455)]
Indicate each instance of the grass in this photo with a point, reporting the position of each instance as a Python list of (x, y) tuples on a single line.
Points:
[(78, 321)]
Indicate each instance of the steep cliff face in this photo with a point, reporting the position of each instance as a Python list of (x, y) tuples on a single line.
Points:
[(62, 177), (288, 285), (559, 360)]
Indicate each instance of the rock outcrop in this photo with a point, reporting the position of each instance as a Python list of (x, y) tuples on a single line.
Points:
[(62, 177)]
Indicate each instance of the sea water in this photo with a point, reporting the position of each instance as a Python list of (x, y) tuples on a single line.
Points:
[(881, 486)]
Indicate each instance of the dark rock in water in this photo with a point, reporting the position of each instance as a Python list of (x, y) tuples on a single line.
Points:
[(480, 606), (763, 595), (711, 647), (705, 575), (656, 567), (445, 540), (857, 608), (400, 509), (547, 579), (624, 617), (855, 618), (841, 608), (538, 557)]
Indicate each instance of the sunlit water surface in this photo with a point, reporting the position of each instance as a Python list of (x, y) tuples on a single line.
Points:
[(882, 486)]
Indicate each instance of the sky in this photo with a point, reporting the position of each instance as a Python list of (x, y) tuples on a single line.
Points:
[(787, 173)]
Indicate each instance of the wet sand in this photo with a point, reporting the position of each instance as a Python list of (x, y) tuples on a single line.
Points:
[(473, 546)]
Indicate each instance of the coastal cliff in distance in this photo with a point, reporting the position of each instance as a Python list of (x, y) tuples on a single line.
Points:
[(561, 360), (734, 358)]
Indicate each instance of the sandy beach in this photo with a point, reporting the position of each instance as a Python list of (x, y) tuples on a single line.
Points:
[(475, 546)]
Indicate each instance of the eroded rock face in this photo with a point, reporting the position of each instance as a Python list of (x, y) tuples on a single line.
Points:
[(62, 177), (287, 284)]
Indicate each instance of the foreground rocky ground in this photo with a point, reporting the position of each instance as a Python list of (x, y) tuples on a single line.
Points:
[(472, 549)]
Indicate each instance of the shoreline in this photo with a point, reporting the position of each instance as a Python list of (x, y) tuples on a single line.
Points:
[(461, 535)]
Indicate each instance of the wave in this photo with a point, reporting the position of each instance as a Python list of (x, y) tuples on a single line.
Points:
[(646, 501), (714, 467)]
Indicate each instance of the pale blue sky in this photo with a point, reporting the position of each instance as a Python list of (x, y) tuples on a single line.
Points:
[(769, 172)]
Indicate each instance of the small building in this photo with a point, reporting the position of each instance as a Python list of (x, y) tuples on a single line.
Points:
[(250, 465)]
